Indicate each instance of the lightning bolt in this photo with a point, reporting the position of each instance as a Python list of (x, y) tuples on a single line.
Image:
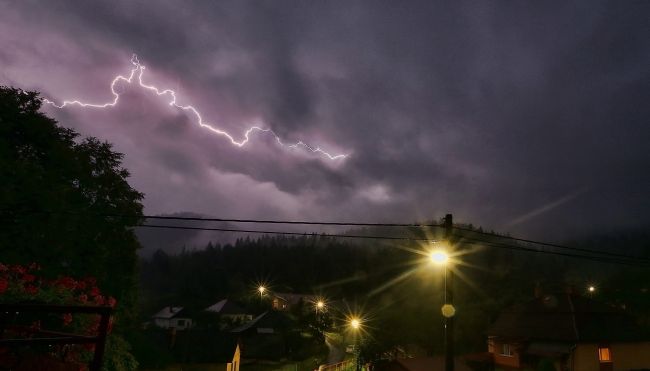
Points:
[(136, 74)]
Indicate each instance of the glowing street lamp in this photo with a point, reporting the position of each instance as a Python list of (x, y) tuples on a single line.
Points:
[(591, 289), (439, 257), (355, 325), (261, 290)]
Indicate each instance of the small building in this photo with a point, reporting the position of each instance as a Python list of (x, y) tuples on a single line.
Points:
[(266, 337), (229, 313), (172, 318), (285, 301), (567, 332)]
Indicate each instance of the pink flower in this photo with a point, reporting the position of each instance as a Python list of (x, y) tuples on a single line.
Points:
[(4, 285), (19, 269), (31, 289), (67, 319), (95, 291), (99, 300), (89, 347), (66, 282), (83, 298), (29, 277)]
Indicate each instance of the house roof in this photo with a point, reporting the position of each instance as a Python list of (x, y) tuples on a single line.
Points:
[(168, 312), (268, 319), (566, 318), (294, 299), (225, 306)]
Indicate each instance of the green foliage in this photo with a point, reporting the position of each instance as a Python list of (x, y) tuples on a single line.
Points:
[(65, 203), (118, 355), (61, 198)]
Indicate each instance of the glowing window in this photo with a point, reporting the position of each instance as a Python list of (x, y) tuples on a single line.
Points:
[(604, 354), (506, 350)]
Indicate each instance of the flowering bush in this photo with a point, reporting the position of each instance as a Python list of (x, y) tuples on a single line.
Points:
[(22, 284)]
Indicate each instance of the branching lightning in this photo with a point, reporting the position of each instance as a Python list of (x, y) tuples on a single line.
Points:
[(137, 72)]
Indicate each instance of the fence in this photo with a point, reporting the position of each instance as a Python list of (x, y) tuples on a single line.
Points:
[(54, 337), (348, 365)]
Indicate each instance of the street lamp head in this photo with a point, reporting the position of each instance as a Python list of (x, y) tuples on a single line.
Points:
[(320, 304), (355, 323), (591, 288), (261, 289), (439, 257)]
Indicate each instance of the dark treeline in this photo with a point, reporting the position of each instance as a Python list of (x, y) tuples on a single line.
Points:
[(398, 290)]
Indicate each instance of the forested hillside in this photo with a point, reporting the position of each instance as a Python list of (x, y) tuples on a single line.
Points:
[(395, 287)]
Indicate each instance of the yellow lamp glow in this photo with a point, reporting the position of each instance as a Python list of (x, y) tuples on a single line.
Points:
[(355, 323), (439, 257), (448, 310)]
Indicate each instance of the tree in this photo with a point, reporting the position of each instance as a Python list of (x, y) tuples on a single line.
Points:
[(64, 201)]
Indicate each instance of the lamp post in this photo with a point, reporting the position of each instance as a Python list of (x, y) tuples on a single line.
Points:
[(355, 325), (442, 258), (319, 307), (261, 290), (448, 309)]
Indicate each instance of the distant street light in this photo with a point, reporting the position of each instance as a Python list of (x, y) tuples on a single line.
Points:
[(355, 323), (320, 305), (261, 289), (591, 289)]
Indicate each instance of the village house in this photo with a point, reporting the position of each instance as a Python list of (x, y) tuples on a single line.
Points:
[(568, 332), (285, 301), (172, 318), (229, 313)]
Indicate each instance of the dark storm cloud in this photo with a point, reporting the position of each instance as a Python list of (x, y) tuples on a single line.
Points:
[(492, 111)]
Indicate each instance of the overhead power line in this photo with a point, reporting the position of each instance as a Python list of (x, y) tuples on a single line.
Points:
[(466, 240), (591, 251), (286, 233), (474, 241), (358, 224), (295, 222)]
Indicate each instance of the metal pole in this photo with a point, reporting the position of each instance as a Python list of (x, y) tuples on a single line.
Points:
[(449, 300)]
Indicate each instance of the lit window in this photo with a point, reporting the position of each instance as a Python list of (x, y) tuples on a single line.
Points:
[(506, 350), (604, 354)]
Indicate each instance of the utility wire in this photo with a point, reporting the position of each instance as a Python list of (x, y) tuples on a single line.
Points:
[(553, 245), (466, 240), (285, 233), (357, 224), (473, 241)]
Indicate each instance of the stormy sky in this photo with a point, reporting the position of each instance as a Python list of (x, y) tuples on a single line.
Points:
[(524, 117)]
